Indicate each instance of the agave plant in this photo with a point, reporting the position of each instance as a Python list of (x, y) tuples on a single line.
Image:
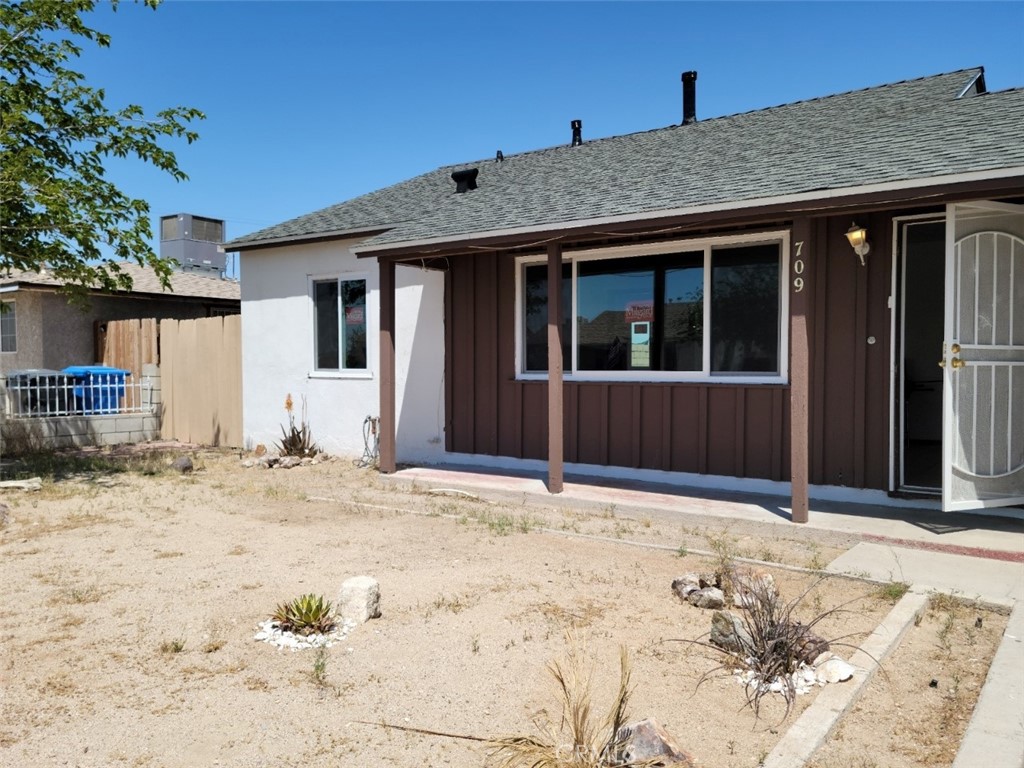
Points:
[(297, 440), (306, 615)]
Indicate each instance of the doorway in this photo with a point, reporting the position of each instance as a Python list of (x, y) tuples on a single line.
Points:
[(921, 271)]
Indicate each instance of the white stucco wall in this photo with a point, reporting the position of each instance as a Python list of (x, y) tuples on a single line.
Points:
[(277, 352)]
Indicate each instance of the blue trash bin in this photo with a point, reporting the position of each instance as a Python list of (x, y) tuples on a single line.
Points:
[(98, 388)]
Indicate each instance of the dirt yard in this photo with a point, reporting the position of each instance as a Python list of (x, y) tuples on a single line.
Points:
[(132, 598)]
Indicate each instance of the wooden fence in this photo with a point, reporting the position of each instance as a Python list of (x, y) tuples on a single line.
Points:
[(130, 344), (201, 377)]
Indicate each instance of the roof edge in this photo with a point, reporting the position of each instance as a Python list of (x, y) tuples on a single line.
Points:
[(14, 287), (738, 205), (241, 244)]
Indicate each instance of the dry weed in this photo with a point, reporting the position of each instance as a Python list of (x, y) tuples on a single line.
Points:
[(583, 614), (576, 737)]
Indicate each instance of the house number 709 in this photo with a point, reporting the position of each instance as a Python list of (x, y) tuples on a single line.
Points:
[(798, 267)]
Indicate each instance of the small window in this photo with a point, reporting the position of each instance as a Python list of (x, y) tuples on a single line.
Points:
[(8, 327), (339, 308)]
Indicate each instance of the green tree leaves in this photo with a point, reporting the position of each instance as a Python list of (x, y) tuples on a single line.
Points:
[(57, 208)]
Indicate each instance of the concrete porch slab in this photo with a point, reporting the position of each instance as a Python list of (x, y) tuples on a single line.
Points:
[(978, 535)]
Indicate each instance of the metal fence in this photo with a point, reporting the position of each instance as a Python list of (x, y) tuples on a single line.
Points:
[(58, 394)]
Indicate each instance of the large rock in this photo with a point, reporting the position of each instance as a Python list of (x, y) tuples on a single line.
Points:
[(709, 597), (183, 464), (809, 646), (686, 584), (729, 633), (647, 743), (689, 583), (751, 587), (359, 599), (834, 671)]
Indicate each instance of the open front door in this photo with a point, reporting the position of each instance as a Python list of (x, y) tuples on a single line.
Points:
[(983, 357)]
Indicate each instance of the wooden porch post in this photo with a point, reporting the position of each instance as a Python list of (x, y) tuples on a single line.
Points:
[(555, 451), (799, 366), (387, 366)]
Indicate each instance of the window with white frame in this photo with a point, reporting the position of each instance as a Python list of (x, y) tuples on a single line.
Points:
[(690, 310), (8, 327), (339, 324)]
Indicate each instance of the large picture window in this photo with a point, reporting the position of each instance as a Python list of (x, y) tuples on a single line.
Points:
[(8, 327), (701, 310), (339, 309)]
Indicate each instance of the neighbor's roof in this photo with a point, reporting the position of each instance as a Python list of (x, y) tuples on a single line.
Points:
[(145, 281), (907, 132)]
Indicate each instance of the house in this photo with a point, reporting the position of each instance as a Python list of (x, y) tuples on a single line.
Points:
[(40, 329), (820, 298)]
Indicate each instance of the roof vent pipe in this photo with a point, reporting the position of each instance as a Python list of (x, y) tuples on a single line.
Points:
[(577, 132), (465, 180), (689, 97)]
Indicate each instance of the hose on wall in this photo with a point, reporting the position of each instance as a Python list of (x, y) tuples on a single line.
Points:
[(371, 443)]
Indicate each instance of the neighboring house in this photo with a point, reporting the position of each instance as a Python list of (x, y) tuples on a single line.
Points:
[(726, 332), (40, 329)]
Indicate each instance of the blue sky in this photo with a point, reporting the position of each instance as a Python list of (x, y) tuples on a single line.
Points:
[(312, 103)]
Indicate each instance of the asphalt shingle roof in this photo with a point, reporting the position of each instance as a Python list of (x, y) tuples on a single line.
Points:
[(901, 132), (144, 280)]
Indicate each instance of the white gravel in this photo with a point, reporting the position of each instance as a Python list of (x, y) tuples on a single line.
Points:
[(270, 632)]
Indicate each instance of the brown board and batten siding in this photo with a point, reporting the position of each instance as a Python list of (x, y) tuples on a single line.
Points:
[(731, 429), (849, 375)]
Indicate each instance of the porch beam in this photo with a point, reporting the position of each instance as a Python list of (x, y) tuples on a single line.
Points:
[(555, 401), (387, 461), (801, 274)]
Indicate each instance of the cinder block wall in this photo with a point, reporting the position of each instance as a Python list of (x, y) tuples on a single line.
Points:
[(20, 435)]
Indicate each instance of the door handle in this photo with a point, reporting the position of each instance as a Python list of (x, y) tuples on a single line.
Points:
[(957, 363), (942, 363)]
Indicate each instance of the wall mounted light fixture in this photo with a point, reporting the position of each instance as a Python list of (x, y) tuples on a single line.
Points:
[(858, 237)]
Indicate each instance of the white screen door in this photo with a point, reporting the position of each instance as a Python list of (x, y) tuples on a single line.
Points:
[(983, 357)]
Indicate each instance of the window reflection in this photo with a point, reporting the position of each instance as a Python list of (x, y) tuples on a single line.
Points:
[(683, 340), (616, 303), (535, 331), (353, 296), (745, 309), (647, 313), (326, 301)]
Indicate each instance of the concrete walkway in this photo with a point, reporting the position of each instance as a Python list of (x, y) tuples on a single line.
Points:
[(971, 556)]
